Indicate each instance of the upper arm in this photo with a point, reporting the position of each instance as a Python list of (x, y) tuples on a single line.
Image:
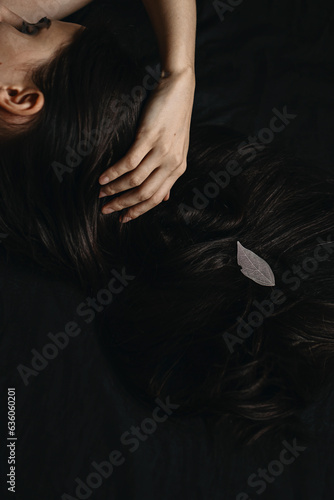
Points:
[(33, 10)]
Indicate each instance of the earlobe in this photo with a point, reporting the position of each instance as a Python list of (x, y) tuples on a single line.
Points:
[(21, 102)]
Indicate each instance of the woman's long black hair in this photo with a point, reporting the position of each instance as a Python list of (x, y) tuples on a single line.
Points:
[(49, 174), (175, 329)]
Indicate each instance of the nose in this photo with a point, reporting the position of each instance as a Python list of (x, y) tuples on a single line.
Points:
[(9, 17)]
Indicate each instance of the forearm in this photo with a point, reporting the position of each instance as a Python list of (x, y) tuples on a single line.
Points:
[(174, 22), (33, 10)]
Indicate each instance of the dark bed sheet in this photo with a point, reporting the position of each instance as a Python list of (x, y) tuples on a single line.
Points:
[(73, 412)]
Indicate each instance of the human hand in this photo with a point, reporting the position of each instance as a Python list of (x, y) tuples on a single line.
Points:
[(158, 156)]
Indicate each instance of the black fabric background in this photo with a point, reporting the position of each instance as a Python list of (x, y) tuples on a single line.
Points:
[(262, 55)]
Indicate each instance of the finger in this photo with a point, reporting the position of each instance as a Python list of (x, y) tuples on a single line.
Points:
[(129, 162), (141, 208), (166, 198), (135, 178), (142, 193)]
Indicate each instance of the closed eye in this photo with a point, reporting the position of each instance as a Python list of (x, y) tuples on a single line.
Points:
[(28, 29), (33, 28), (20, 28)]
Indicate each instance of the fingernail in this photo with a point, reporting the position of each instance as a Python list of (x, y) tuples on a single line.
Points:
[(125, 219), (102, 194), (108, 211), (104, 180)]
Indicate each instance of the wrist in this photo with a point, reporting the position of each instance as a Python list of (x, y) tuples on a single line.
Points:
[(177, 69), (186, 73)]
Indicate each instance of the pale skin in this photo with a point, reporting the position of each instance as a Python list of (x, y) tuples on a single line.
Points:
[(19, 97), (158, 156)]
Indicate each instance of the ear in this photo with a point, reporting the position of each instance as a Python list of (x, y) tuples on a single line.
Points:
[(21, 101)]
